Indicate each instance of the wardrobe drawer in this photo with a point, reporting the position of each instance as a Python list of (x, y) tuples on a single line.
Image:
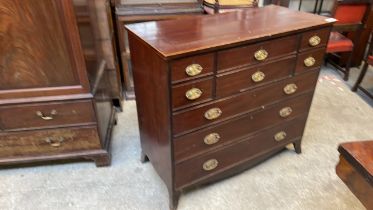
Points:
[(216, 111), (240, 80), (48, 142), (310, 60), (193, 170), (215, 136), (192, 93), (41, 115), (192, 67), (256, 53), (315, 38)]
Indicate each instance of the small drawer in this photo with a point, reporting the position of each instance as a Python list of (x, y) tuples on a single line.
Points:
[(256, 53), (310, 60), (238, 81), (42, 115), (201, 167), (48, 142), (314, 39), (192, 67), (191, 119), (192, 93), (215, 136)]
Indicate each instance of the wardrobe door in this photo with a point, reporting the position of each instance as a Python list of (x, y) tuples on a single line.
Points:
[(40, 53)]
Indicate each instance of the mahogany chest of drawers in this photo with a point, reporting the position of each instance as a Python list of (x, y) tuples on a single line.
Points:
[(218, 94)]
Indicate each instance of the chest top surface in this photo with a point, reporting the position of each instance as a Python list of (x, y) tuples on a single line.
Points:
[(175, 37)]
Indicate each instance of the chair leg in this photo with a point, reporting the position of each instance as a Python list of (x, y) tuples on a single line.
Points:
[(347, 69), (361, 77)]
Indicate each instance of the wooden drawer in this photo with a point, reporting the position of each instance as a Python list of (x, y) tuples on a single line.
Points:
[(199, 142), (224, 158), (195, 118), (236, 57), (315, 38), (241, 80), (305, 59), (42, 115), (199, 66), (192, 93), (48, 142)]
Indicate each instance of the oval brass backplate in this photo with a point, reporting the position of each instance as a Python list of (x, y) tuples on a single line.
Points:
[(290, 89), (314, 41), (258, 76), (210, 164), (193, 94), (285, 112), (261, 55), (211, 139), (193, 70), (280, 136), (213, 113), (310, 61)]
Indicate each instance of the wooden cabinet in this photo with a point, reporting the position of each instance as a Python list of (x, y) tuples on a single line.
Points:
[(48, 108), (218, 94)]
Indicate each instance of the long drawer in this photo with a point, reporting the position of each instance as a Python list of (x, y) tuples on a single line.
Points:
[(200, 116), (199, 142), (256, 53), (42, 115), (214, 162), (48, 142), (238, 81)]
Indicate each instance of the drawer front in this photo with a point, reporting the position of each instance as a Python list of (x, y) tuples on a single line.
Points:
[(199, 142), (236, 57), (314, 39), (214, 162), (310, 60), (195, 118), (234, 82), (192, 67), (192, 93), (48, 142), (41, 115)]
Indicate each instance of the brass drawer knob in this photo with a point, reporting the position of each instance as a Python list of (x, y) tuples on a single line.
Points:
[(290, 89), (285, 112), (193, 70), (213, 113), (212, 138), (258, 76), (261, 55), (193, 94), (210, 164), (55, 142), (314, 41), (46, 117), (280, 136), (310, 61)]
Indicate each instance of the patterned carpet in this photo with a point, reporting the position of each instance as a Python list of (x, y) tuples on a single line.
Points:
[(286, 181)]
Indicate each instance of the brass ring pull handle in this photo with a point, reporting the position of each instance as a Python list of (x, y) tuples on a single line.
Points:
[(314, 41), (290, 89), (45, 117), (55, 142), (193, 70), (261, 55), (211, 139), (210, 164), (310, 61), (280, 136), (213, 113), (258, 76), (193, 94), (285, 112)]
